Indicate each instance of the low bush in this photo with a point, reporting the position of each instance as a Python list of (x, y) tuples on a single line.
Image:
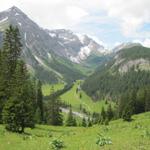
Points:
[(57, 144), (102, 140)]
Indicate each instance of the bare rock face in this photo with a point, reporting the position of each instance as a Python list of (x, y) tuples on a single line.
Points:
[(142, 64), (133, 56)]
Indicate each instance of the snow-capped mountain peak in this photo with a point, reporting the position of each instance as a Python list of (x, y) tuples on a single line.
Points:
[(78, 47)]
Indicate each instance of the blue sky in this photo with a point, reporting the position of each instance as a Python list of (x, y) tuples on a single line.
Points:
[(110, 22)]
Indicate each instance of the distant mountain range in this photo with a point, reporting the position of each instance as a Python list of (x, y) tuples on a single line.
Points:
[(54, 55)]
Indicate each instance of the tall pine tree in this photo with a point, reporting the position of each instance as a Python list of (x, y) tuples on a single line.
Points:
[(40, 110), (71, 121), (15, 88), (54, 112), (109, 113)]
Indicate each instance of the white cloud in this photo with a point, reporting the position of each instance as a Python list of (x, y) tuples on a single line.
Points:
[(54, 13), (96, 39), (117, 44), (145, 42), (131, 14), (75, 13)]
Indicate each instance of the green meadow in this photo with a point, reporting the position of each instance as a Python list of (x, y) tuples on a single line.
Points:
[(46, 88), (133, 135), (76, 101)]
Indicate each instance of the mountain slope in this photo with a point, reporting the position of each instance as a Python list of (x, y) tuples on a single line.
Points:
[(125, 46), (77, 48), (128, 70), (40, 50)]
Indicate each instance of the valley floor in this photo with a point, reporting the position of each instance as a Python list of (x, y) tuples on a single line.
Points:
[(133, 135), (74, 99)]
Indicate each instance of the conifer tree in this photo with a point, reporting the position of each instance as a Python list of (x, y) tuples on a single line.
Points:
[(10, 54), (109, 113), (40, 101), (89, 122), (71, 121), (1, 87), (84, 124), (127, 114), (37, 115), (18, 111), (140, 104), (54, 112), (103, 115), (147, 99)]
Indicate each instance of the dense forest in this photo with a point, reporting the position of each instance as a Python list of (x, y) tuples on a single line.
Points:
[(134, 85)]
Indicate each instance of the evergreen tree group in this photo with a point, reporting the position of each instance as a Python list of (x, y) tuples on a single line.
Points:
[(39, 107), (54, 113), (71, 121), (16, 96)]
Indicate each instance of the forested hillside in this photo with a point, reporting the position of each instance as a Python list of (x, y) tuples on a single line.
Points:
[(123, 79)]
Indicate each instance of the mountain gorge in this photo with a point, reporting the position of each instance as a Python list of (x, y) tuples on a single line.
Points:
[(53, 55)]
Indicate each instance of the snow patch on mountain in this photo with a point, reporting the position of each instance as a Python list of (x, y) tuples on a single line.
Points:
[(39, 60), (84, 52), (82, 55), (74, 59), (81, 37), (25, 36), (52, 34), (20, 23), (61, 43), (3, 20), (17, 14), (49, 56)]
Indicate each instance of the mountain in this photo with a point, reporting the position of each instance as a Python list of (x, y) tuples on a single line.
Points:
[(77, 47), (124, 46), (80, 49), (129, 69), (52, 55)]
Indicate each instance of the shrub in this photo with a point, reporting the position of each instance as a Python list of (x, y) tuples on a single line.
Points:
[(2, 132), (138, 126), (146, 133), (102, 140), (50, 134), (57, 144)]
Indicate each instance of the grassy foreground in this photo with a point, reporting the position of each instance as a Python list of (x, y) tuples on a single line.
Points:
[(132, 136)]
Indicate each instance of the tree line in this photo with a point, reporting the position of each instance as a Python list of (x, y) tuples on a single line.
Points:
[(130, 91)]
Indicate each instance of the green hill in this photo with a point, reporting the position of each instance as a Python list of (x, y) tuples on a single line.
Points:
[(128, 70), (134, 136)]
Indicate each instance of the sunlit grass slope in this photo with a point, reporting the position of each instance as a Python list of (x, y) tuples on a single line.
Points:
[(132, 136), (73, 98)]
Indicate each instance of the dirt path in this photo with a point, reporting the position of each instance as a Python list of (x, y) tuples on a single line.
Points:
[(81, 115)]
